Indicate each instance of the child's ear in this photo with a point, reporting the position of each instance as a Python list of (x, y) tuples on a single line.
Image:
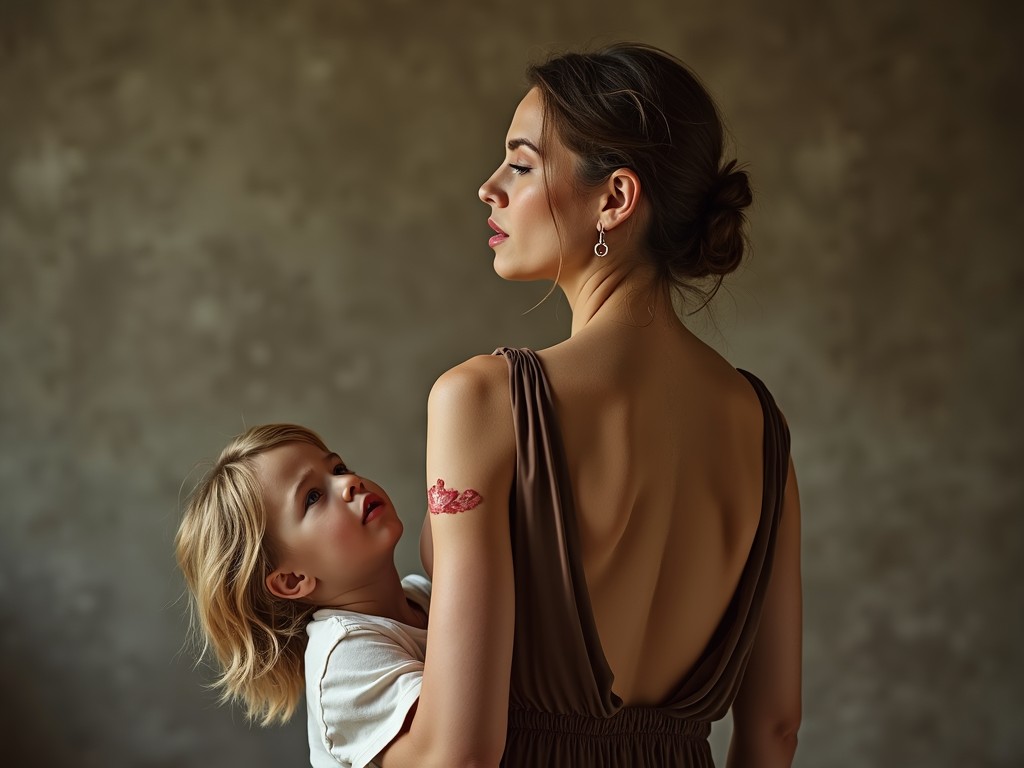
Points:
[(290, 585)]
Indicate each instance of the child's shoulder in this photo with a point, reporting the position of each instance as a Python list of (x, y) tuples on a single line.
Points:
[(417, 588), (351, 645), (331, 630), (335, 624)]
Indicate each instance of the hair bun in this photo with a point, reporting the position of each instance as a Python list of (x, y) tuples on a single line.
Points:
[(724, 241)]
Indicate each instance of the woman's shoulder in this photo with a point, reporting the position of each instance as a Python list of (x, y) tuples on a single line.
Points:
[(469, 405), (479, 383)]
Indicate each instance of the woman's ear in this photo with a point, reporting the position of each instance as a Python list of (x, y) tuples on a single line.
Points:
[(621, 197), (290, 585)]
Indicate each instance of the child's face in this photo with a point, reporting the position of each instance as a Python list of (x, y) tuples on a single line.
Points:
[(332, 530)]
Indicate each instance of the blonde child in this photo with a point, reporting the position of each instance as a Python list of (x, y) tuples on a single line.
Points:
[(288, 555)]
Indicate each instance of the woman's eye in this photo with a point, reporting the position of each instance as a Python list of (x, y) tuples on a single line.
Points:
[(341, 469), (519, 170), (312, 498)]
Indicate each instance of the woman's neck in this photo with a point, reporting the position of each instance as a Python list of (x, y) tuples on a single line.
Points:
[(627, 293)]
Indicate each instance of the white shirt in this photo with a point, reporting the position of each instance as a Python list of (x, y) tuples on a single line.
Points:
[(363, 675)]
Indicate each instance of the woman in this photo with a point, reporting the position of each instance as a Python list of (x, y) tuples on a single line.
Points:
[(614, 538)]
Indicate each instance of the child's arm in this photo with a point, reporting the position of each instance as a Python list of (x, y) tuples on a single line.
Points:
[(463, 708)]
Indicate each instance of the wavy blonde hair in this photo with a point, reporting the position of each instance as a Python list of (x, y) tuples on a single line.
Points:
[(258, 640)]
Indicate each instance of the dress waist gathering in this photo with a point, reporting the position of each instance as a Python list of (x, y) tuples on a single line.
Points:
[(629, 722), (633, 737)]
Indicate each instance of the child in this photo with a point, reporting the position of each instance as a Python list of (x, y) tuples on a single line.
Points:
[(289, 559)]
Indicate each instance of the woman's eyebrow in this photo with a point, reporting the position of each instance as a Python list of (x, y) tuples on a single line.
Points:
[(516, 143)]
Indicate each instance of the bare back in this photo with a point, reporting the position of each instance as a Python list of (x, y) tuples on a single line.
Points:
[(663, 442)]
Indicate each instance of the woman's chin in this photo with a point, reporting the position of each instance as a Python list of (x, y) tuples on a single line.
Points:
[(507, 269), (504, 274)]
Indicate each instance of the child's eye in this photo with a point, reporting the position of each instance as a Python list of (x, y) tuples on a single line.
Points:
[(312, 498), (519, 170), (341, 469)]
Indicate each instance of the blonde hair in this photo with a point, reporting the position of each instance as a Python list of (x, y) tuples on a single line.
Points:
[(257, 639)]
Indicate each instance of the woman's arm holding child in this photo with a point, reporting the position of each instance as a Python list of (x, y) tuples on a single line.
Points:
[(462, 713)]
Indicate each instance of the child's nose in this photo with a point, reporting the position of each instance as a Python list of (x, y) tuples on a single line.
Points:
[(351, 485)]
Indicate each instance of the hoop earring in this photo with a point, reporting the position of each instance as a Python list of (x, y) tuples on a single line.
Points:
[(601, 249)]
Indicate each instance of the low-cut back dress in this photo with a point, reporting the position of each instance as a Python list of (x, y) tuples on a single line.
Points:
[(562, 711)]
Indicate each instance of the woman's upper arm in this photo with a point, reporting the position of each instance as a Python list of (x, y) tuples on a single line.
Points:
[(462, 715), (769, 698)]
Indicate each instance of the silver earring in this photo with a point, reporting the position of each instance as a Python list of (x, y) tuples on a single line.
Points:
[(601, 249)]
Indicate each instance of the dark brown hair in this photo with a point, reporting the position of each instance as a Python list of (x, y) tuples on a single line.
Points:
[(635, 106)]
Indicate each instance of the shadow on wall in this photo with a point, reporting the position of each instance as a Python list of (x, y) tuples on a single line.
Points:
[(34, 721)]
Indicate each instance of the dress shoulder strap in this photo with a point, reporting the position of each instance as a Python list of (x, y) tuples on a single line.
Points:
[(557, 662)]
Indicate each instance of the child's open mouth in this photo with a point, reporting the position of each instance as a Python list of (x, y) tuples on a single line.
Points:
[(371, 503)]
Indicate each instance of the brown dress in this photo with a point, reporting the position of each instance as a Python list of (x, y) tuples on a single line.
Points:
[(562, 711)]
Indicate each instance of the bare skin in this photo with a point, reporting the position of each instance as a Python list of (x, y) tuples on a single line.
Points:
[(678, 545)]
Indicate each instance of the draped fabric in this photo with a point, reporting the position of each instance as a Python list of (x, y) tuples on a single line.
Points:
[(562, 711)]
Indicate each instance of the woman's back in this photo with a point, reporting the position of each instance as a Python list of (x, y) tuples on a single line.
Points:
[(666, 467)]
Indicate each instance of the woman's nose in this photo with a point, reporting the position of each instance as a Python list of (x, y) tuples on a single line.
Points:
[(490, 193)]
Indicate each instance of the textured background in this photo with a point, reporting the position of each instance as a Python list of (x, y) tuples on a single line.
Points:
[(215, 214)]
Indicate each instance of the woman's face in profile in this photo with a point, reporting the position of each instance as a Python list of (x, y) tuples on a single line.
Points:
[(526, 242)]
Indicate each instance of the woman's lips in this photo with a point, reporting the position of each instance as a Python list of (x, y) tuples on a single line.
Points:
[(501, 237)]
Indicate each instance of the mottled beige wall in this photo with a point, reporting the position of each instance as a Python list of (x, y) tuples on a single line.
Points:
[(215, 214)]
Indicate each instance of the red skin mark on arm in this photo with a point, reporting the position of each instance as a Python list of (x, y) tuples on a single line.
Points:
[(446, 501)]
